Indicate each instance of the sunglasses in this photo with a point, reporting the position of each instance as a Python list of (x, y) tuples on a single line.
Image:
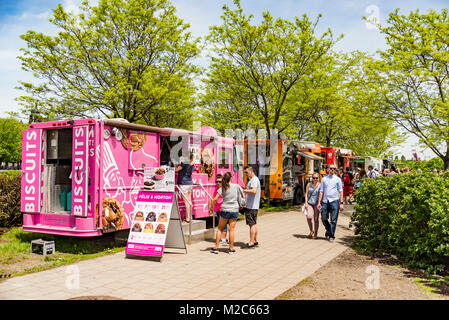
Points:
[(332, 168), (315, 178), (218, 181)]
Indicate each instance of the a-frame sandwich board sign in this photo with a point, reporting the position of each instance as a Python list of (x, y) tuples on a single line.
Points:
[(175, 235), (156, 225)]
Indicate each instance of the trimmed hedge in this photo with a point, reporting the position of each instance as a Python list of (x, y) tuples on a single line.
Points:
[(10, 214), (406, 215)]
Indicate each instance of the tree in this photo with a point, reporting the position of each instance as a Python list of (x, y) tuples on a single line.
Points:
[(412, 77), (123, 58), (343, 114), (11, 140), (424, 165), (254, 68)]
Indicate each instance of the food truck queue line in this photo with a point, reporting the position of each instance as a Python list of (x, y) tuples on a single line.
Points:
[(109, 157)]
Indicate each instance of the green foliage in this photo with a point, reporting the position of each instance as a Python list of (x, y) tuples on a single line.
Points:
[(10, 173), (11, 140), (122, 58), (405, 215), (254, 68), (424, 165), (343, 114), (10, 214), (412, 78)]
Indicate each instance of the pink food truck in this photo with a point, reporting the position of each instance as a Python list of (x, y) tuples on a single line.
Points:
[(81, 177)]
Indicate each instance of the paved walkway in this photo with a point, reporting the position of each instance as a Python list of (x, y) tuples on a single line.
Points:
[(284, 257)]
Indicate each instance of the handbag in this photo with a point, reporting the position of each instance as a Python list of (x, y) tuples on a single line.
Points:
[(241, 198), (304, 210)]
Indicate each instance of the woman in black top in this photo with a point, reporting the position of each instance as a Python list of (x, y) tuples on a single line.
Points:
[(184, 181)]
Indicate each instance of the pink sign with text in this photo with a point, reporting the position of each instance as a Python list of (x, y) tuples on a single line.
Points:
[(31, 178), (150, 224), (80, 172)]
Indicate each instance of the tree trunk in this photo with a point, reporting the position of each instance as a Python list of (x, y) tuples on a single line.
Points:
[(446, 161)]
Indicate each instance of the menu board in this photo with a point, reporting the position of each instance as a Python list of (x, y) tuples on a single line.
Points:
[(150, 224), (159, 179)]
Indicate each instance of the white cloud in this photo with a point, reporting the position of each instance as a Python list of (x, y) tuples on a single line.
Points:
[(72, 6), (30, 15)]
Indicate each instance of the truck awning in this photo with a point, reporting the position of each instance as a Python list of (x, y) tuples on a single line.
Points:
[(310, 155)]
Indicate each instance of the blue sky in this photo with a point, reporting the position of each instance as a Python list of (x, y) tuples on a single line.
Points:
[(341, 16)]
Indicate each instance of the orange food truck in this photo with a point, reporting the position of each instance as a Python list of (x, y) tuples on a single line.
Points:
[(273, 165), (282, 170)]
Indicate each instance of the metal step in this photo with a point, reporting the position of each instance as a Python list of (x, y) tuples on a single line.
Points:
[(199, 231), (196, 225)]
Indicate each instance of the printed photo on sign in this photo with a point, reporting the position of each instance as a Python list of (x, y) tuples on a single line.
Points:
[(150, 223), (159, 179)]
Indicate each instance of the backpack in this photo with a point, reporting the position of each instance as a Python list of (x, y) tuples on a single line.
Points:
[(346, 179)]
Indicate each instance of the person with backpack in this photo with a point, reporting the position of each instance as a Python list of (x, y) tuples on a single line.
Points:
[(348, 185)]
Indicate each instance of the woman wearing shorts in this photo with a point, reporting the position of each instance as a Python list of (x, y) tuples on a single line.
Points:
[(311, 205), (185, 182), (229, 210)]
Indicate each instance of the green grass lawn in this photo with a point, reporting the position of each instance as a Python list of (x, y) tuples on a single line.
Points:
[(16, 259)]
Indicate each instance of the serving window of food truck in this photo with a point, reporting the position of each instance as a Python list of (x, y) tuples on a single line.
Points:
[(57, 185)]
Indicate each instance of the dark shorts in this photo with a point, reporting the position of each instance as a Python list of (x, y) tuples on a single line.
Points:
[(251, 216), (229, 215)]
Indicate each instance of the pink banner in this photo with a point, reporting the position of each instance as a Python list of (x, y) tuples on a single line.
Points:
[(79, 172), (31, 178), (165, 197), (142, 249)]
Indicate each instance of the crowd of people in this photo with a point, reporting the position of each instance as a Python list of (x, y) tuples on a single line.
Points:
[(323, 195), (230, 200), (335, 189)]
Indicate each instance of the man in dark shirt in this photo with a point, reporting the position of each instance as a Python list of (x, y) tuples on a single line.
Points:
[(348, 185)]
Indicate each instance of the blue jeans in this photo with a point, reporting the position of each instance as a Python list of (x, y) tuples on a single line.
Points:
[(333, 208)]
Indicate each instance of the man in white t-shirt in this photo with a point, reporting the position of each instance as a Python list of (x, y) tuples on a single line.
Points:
[(252, 202), (372, 173)]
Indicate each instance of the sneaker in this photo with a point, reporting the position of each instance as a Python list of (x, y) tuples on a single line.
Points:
[(224, 242), (231, 251), (327, 235), (214, 250), (331, 239)]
